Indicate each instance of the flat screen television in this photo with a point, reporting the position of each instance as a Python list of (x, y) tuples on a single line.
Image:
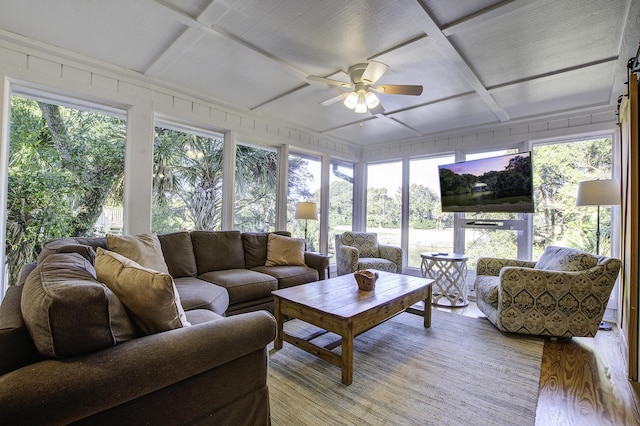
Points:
[(496, 184)]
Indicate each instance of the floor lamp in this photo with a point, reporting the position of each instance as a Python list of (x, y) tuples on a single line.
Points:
[(605, 192), (308, 211)]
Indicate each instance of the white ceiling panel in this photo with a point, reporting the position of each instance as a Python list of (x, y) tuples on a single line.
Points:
[(451, 114), (321, 36), (372, 131), (126, 33), (227, 70), (543, 37), (450, 11), (580, 88)]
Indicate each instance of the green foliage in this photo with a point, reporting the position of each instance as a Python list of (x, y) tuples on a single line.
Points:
[(63, 165)]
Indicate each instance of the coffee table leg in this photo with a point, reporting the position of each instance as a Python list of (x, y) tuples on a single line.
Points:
[(427, 309), (277, 343), (347, 352)]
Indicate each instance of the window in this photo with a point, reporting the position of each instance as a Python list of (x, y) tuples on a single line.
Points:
[(486, 241), (340, 200), (304, 185), (384, 200), (557, 170), (255, 191), (187, 181), (430, 230), (66, 168)]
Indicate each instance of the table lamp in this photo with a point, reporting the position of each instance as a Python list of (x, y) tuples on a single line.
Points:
[(308, 211), (604, 192)]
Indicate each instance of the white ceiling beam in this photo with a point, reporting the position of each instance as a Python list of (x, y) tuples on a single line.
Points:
[(486, 15), (426, 21)]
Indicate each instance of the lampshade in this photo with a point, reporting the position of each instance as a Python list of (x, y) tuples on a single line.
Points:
[(361, 106), (605, 192), (306, 210), (351, 100)]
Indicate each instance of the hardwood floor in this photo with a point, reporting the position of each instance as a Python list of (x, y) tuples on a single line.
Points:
[(583, 381)]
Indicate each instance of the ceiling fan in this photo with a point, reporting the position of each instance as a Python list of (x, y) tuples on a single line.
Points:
[(362, 97)]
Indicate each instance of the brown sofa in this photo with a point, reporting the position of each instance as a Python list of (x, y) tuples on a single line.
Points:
[(222, 271), (211, 372)]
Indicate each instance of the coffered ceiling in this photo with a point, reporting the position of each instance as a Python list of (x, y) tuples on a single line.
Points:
[(481, 62)]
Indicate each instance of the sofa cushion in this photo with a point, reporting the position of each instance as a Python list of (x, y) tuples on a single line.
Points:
[(282, 251), (144, 249), (289, 276), (68, 312), (67, 245), (565, 259), (217, 250), (150, 297), (178, 254), (365, 242), (255, 248), (16, 346), (242, 284), (198, 316), (198, 294)]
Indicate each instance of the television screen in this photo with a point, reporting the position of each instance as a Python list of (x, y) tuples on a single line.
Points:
[(496, 184)]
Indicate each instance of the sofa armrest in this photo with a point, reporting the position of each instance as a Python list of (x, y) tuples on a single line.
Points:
[(492, 265), (317, 261), (66, 390), (391, 253)]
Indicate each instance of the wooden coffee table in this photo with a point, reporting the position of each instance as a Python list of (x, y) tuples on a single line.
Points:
[(336, 305)]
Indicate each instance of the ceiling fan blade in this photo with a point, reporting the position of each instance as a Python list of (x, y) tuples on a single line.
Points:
[(334, 99), (373, 72), (378, 109), (329, 81), (399, 89)]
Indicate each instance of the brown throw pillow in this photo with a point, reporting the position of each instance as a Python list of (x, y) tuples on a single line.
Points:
[(283, 251), (68, 312), (144, 249), (149, 296)]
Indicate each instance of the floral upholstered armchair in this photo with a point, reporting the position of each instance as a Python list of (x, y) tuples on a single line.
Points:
[(563, 294), (360, 250)]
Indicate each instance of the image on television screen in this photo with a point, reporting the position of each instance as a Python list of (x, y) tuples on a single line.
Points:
[(496, 184)]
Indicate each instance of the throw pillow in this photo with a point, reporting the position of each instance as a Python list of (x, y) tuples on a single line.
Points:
[(149, 296), (144, 249), (68, 312), (565, 259), (284, 251)]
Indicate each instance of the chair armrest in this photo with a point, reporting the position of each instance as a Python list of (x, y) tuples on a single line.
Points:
[(492, 265), (63, 391), (391, 253), (317, 261), (346, 259)]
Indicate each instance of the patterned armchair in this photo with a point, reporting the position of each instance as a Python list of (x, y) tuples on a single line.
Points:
[(563, 294), (360, 250)]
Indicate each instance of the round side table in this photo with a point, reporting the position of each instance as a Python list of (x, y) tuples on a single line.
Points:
[(448, 272)]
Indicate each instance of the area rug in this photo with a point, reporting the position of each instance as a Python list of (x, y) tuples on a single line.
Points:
[(461, 371)]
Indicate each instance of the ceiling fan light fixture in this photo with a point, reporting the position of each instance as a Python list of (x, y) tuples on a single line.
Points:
[(351, 100), (371, 100), (361, 106)]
